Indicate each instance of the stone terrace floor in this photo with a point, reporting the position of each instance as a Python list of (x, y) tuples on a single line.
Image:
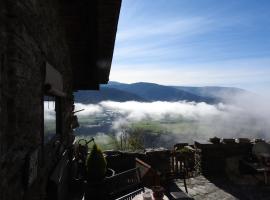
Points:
[(202, 188)]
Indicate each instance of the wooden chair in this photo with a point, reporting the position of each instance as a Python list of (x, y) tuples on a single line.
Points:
[(149, 176), (123, 183), (179, 170), (131, 195)]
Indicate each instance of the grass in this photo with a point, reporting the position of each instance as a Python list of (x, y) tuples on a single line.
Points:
[(149, 126), (150, 133)]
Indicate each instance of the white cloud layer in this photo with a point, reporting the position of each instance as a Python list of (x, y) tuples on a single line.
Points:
[(137, 111), (245, 117)]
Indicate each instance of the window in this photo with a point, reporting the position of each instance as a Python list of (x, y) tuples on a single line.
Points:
[(49, 118), (53, 91)]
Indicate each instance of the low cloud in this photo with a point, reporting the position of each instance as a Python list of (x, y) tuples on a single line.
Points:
[(187, 121), (137, 111)]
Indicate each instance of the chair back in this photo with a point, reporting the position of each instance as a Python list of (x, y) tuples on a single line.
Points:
[(149, 176), (123, 183)]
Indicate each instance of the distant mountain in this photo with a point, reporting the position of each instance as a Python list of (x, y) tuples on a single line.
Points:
[(105, 93), (155, 92), (149, 92)]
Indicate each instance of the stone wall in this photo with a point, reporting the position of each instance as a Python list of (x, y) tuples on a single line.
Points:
[(211, 159), (31, 34)]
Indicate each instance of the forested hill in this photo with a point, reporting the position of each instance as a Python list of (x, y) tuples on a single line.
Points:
[(148, 92)]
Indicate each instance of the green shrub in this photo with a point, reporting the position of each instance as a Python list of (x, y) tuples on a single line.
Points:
[(184, 150), (185, 153), (96, 165)]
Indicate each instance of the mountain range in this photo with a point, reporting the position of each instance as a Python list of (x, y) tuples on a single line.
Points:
[(149, 92)]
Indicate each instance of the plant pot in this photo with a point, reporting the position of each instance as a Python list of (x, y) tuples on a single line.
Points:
[(95, 190), (158, 192)]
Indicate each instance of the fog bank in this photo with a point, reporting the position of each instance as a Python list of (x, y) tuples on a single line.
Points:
[(185, 121)]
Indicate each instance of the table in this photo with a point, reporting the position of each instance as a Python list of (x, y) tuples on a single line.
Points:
[(140, 196), (259, 168)]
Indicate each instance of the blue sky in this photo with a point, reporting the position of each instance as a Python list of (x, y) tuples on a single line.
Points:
[(195, 43)]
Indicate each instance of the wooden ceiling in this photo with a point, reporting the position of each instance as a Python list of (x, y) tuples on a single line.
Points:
[(91, 27)]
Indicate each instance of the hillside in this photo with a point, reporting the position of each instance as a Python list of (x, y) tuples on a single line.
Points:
[(105, 93), (150, 92), (155, 92)]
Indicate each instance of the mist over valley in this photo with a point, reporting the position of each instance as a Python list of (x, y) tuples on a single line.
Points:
[(164, 115)]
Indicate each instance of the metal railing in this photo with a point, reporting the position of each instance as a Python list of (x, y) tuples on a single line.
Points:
[(131, 195)]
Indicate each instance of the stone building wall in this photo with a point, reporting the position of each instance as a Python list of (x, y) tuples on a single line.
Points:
[(31, 34)]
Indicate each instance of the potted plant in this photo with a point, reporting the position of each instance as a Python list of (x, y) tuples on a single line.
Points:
[(186, 156), (96, 168), (184, 153), (96, 165)]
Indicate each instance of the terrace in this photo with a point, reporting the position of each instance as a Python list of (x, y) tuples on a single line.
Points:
[(204, 170)]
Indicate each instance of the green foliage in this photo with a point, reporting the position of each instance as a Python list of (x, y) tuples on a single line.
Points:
[(148, 126), (136, 139), (135, 136), (185, 151), (131, 138), (96, 165)]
